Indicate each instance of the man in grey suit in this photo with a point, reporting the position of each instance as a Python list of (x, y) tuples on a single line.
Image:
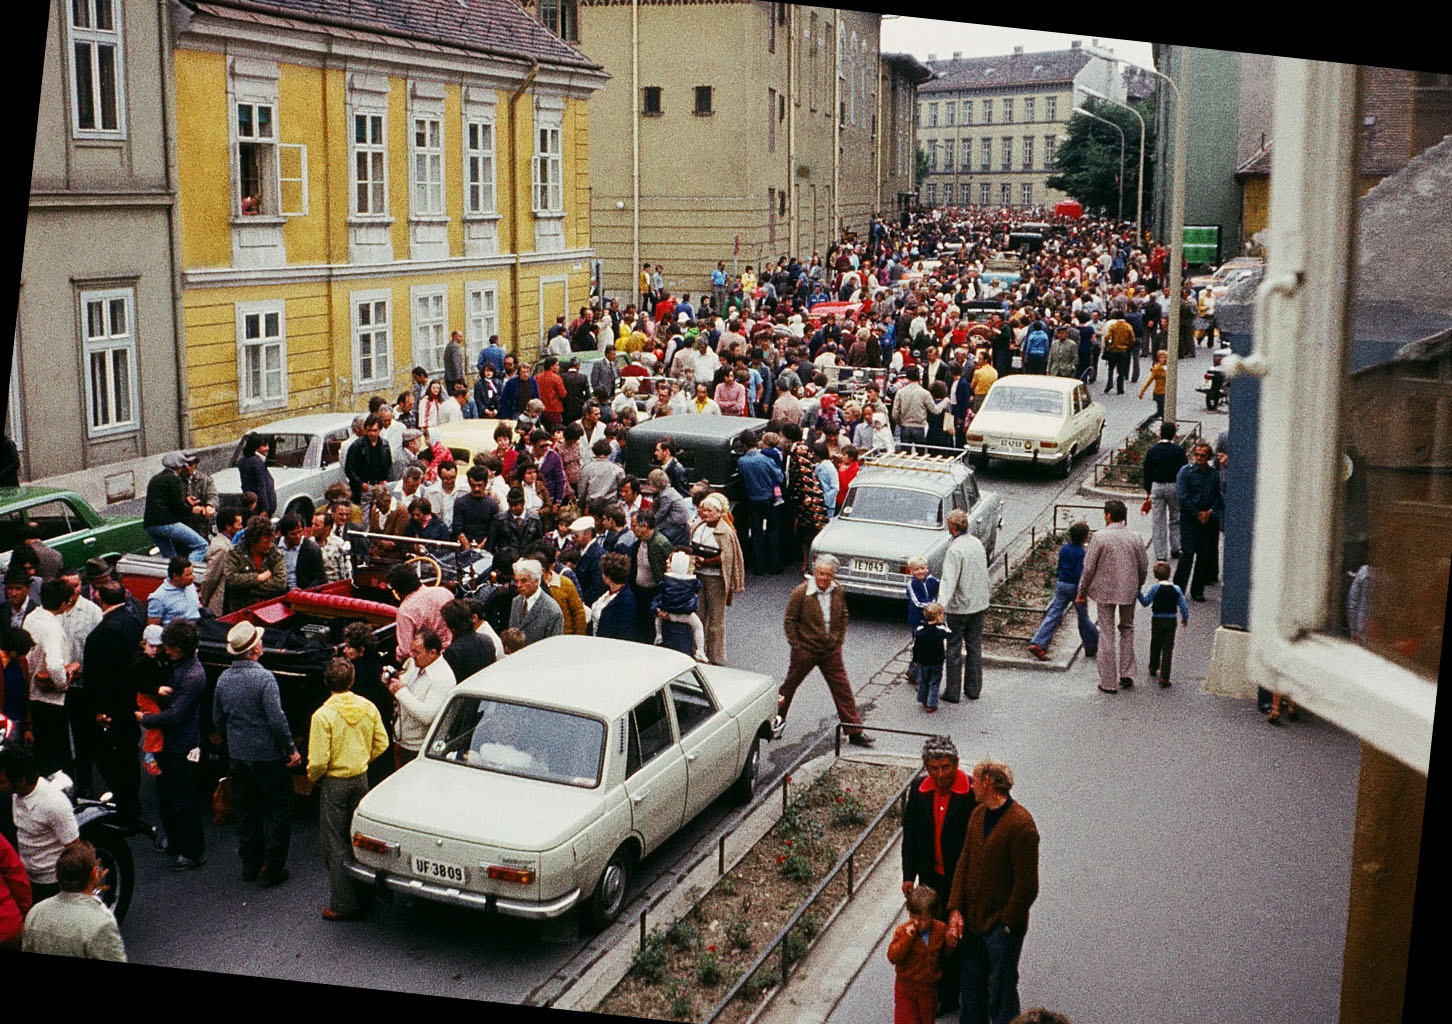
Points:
[(963, 593), (1115, 567), (534, 612)]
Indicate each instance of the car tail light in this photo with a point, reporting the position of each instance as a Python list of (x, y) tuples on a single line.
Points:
[(524, 876), (1048, 444), (974, 437), (372, 845)]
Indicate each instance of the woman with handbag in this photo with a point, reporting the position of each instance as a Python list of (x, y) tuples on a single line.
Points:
[(720, 568)]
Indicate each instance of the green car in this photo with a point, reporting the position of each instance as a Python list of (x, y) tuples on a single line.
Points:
[(68, 524)]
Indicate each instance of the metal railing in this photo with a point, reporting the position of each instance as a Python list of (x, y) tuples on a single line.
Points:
[(846, 863), (1107, 462)]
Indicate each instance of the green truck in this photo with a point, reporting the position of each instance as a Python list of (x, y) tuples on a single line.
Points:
[(68, 524)]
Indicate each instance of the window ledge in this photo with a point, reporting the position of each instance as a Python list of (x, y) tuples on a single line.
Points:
[(102, 140), (246, 408), (258, 220), (428, 218), (550, 214), (367, 220), (490, 216), (112, 433)]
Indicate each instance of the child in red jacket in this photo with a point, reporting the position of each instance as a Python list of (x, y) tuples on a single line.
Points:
[(916, 950)]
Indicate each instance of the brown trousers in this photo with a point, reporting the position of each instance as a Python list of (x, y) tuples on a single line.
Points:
[(833, 670)]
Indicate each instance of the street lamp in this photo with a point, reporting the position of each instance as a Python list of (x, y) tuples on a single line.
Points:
[(1081, 110), (1139, 199)]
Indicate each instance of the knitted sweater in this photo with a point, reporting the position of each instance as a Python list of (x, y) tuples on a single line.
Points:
[(918, 962)]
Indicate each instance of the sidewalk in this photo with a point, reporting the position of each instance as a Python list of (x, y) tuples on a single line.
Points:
[(1167, 879)]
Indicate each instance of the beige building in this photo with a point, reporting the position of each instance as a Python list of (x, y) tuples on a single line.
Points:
[(899, 76), (95, 380), (990, 125), (735, 131)]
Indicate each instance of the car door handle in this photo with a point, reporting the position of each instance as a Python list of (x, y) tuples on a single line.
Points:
[(638, 797), (89, 540), (693, 755)]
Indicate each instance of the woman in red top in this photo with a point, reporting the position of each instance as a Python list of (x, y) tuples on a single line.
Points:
[(14, 895), (847, 467)]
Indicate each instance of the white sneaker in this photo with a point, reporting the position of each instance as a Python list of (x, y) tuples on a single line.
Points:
[(701, 657)]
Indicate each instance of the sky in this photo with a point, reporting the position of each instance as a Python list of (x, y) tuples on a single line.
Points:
[(921, 36)]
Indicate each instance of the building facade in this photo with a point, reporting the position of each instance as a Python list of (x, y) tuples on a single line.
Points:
[(900, 75), (990, 125), (355, 187), (98, 296), (794, 90)]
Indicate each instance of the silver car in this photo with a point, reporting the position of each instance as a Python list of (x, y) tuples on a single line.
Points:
[(897, 507), (305, 460)]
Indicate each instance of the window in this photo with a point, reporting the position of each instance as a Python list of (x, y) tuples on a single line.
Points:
[(548, 174), (984, 195), (771, 216), (932, 194), (949, 109), (481, 304), (703, 101), (693, 704), (932, 115), (967, 111), (372, 345), (1008, 110), (370, 166), (985, 154), (1028, 108), (1026, 194), (967, 158), (430, 327), (1028, 152), (771, 28), (966, 194), (256, 159), (428, 166), (478, 167), (97, 87), (518, 739), (650, 732), (988, 111), (933, 157), (771, 117), (562, 17), (947, 155), (1050, 143), (922, 113), (261, 355), (108, 333), (1005, 155), (650, 101), (1051, 108), (1005, 194)]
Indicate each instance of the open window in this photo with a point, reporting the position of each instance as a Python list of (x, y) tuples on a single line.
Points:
[(650, 732), (272, 178)]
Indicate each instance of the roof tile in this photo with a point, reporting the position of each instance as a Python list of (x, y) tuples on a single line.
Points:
[(1008, 69)]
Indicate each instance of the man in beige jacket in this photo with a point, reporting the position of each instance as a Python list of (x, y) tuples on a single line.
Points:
[(1115, 567)]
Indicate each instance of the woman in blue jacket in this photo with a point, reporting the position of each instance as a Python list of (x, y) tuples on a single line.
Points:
[(254, 474), (181, 733), (613, 613)]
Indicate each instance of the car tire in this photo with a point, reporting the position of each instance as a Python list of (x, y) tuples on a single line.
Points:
[(1093, 449), (1068, 465), (114, 855), (302, 508), (979, 462), (608, 899), (744, 788)]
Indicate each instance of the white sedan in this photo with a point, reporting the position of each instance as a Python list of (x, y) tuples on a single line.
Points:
[(551, 773), (305, 460), (1029, 417)]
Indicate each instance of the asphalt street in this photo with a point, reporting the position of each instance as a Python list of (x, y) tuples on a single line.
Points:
[(210, 920)]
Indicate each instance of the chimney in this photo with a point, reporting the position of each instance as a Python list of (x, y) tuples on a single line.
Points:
[(932, 57), (1076, 44), (957, 54), (1018, 49)]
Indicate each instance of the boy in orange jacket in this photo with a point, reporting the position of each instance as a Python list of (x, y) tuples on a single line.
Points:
[(916, 950)]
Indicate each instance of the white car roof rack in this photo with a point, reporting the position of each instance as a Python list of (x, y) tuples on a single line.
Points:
[(930, 460)]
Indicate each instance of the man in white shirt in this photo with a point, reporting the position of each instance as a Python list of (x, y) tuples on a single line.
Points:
[(391, 429), (44, 821), (703, 362), (442, 494), (51, 671), (421, 691)]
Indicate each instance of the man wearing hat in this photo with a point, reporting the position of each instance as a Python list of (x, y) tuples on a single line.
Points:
[(96, 573), (168, 513), (202, 495), (247, 711)]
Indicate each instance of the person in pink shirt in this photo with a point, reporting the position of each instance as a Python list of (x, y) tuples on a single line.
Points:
[(731, 394), (418, 606)]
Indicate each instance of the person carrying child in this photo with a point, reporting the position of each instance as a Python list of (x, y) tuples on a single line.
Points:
[(1071, 567), (1163, 599), (675, 601), (916, 951), (149, 670), (930, 647)]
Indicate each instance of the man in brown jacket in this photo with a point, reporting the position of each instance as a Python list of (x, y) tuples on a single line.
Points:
[(996, 881), (816, 626), (1115, 567)]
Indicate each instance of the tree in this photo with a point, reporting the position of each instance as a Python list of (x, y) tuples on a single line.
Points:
[(1086, 162), (920, 167)]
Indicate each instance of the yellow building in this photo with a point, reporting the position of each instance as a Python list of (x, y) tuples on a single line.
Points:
[(354, 188)]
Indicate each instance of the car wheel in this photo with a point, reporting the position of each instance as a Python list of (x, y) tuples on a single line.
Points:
[(745, 786), (608, 899), (114, 856), (1068, 464), (302, 508), (978, 462), (1093, 449)]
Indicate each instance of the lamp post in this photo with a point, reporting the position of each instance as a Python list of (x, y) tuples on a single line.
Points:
[(1139, 198), (1081, 110)]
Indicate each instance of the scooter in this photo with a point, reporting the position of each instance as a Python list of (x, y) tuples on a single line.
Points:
[(1212, 386)]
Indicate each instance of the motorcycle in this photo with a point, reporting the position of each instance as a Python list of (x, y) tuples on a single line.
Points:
[(102, 825), (1212, 386)]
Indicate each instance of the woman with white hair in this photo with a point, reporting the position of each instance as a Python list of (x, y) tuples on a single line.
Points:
[(629, 388), (720, 568)]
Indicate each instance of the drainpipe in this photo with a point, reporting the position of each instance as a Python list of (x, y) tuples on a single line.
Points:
[(877, 144), (634, 140), (168, 129), (837, 132), (514, 196), (791, 88)]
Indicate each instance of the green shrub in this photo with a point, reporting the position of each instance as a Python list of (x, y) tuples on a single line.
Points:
[(738, 933), (683, 935), (650, 960), (680, 996), (708, 968)]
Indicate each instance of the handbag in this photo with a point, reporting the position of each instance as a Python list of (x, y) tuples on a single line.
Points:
[(224, 802)]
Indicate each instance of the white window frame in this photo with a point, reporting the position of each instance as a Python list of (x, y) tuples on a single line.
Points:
[(479, 168), (253, 403), (1005, 194), (1029, 112), (1025, 193), (481, 320), (1051, 108), (370, 149), (1027, 156), (1005, 156), (985, 193), (1051, 144), (384, 356), (14, 422), (439, 324), (95, 39), (426, 182), (270, 176), (548, 193), (1294, 647), (985, 154), (109, 344), (1008, 110)]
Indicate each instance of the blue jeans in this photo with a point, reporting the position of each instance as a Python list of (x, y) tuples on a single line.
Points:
[(178, 538), (913, 436), (930, 678), (990, 977), (1063, 598)]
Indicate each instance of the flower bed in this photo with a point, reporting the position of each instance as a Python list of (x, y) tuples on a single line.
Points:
[(682, 971), (1126, 463)]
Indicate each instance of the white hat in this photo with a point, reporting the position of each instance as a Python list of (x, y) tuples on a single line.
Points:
[(679, 565), (242, 638), (151, 636), (583, 523)]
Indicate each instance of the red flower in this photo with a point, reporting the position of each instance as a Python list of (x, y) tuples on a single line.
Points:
[(781, 858), (788, 778), (789, 842), (710, 949)]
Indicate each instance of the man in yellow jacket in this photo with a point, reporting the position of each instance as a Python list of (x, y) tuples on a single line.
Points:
[(346, 735)]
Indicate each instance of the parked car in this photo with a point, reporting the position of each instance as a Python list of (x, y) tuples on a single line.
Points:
[(612, 746), (1032, 418), (1232, 271), (1001, 274), (707, 446), (898, 507), (467, 438), (305, 461), (67, 523)]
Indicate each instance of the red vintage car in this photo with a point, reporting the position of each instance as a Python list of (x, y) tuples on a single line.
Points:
[(840, 310)]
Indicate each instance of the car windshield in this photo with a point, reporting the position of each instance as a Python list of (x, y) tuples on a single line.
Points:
[(1035, 401), (518, 739), (893, 505)]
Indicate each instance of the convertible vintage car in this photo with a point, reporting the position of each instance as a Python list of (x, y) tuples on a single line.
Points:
[(551, 773)]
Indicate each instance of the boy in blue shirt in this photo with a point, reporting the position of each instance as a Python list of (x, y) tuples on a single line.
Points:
[(1071, 565), (1164, 599)]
